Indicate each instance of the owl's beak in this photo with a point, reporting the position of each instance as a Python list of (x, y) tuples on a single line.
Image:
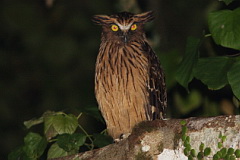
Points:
[(125, 37)]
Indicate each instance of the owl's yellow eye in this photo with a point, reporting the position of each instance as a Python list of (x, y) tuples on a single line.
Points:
[(114, 28), (133, 27)]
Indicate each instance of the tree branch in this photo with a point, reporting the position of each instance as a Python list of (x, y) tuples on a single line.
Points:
[(161, 139)]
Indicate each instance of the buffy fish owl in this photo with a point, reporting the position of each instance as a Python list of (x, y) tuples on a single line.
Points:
[(129, 81)]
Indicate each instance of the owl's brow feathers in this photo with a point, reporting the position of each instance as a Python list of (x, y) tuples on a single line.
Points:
[(124, 26), (123, 19)]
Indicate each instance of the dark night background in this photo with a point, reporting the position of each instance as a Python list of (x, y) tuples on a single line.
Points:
[(48, 52)]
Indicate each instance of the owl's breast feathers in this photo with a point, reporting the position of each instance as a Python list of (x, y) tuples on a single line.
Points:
[(129, 85)]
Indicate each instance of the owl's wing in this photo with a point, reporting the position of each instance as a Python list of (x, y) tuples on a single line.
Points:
[(156, 87)]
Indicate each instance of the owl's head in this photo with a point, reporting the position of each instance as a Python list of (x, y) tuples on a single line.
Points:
[(123, 27)]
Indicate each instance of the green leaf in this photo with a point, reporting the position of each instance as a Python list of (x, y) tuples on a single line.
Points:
[(233, 78), (33, 122), (184, 73), (223, 152), (71, 142), (237, 153), (227, 2), (227, 157), (186, 143), (232, 157), (200, 155), (188, 139), (55, 151), (190, 102), (219, 154), (16, 154), (49, 130), (220, 145), (207, 151), (186, 152), (188, 146), (184, 137), (101, 140), (65, 123), (190, 157), (224, 138), (201, 147), (94, 112), (220, 135), (213, 71), (230, 151), (34, 145), (216, 157), (193, 153), (224, 27), (184, 130), (170, 63), (183, 122), (59, 123)]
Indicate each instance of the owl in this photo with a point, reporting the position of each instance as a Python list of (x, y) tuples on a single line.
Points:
[(129, 81)]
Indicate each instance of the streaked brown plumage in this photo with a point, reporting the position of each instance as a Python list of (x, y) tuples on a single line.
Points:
[(129, 81)]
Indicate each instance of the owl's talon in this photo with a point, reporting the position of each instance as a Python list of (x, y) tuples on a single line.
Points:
[(117, 140), (122, 137)]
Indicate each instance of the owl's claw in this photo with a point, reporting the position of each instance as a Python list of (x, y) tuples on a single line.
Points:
[(122, 137)]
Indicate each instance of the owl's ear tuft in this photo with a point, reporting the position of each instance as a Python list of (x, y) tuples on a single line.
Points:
[(101, 19), (144, 17)]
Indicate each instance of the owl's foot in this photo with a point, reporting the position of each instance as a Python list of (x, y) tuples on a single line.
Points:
[(122, 136)]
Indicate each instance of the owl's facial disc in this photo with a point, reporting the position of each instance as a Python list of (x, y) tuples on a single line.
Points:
[(124, 31)]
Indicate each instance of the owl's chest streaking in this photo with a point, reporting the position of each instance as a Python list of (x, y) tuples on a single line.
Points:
[(122, 73)]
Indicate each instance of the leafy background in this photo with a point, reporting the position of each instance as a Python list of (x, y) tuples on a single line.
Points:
[(48, 52)]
